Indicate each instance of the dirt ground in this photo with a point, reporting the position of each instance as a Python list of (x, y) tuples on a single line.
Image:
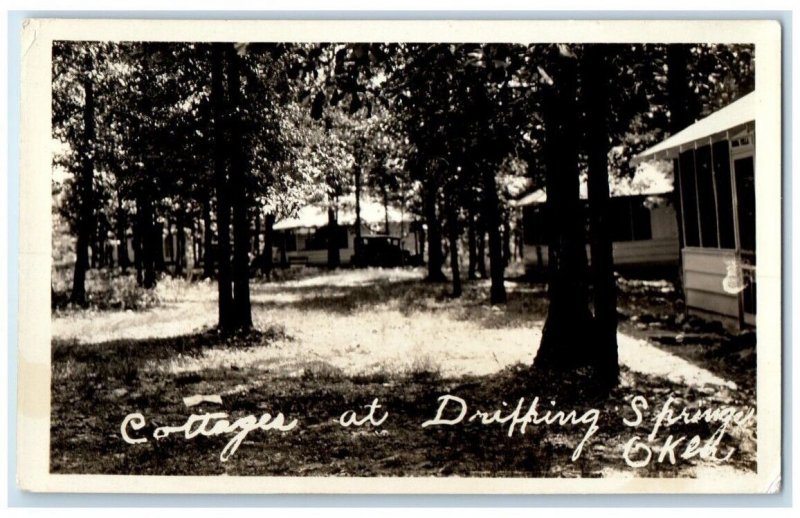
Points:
[(334, 342)]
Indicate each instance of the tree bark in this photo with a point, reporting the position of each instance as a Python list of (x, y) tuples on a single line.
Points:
[(497, 292), (266, 265), (453, 234), (435, 257), (224, 280), (122, 235), (683, 110), (208, 240), (506, 239), (472, 244), (357, 259), (180, 246), (334, 260), (596, 75), (243, 319), (481, 252), (146, 233), (568, 330), (86, 211)]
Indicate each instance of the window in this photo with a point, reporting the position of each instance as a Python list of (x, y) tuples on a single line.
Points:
[(319, 239), (706, 197), (722, 180), (746, 198)]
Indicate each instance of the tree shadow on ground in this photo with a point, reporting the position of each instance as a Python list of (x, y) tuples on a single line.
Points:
[(526, 303), (91, 395)]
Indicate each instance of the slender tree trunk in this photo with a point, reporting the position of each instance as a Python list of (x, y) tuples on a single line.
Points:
[(481, 249), (497, 292), (453, 236), (357, 253), (683, 109), (122, 235), (224, 275), (241, 225), (158, 244), (256, 246), (334, 260), (138, 253), (269, 233), (208, 240), (385, 194), (180, 246), (472, 244), (597, 97), (506, 239), (146, 236), (86, 211), (435, 257), (568, 335)]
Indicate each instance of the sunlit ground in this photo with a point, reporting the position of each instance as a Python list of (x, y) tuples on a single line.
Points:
[(329, 341)]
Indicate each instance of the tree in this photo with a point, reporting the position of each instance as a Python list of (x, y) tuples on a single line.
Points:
[(595, 65), (569, 328)]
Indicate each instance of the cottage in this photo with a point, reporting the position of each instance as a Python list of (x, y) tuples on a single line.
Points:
[(713, 161), (303, 239), (643, 223)]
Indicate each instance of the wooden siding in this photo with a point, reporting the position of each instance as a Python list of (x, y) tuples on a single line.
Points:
[(703, 272), (648, 252)]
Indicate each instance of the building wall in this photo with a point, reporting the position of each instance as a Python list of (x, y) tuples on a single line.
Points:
[(704, 273), (661, 250)]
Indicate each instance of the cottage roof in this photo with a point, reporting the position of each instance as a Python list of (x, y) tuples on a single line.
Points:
[(315, 216), (730, 119), (649, 180)]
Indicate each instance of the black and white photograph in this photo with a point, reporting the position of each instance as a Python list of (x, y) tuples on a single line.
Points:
[(384, 260)]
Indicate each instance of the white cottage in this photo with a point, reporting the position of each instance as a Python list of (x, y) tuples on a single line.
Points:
[(713, 161), (643, 222), (304, 238)]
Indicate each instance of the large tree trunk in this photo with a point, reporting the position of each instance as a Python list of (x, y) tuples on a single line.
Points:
[(435, 257), (497, 292), (243, 319), (596, 77), (225, 302), (86, 211), (266, 265), (567, 337)]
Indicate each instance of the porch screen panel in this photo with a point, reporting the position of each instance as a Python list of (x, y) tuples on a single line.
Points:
[(722, 179), (689, 198), (746, 198), (706, 201)]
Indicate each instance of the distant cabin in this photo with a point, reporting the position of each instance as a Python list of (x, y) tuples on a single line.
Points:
[(713, 161), (643, 223), (303, 239)]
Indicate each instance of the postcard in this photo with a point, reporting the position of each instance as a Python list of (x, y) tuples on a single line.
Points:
[(497, 257)]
